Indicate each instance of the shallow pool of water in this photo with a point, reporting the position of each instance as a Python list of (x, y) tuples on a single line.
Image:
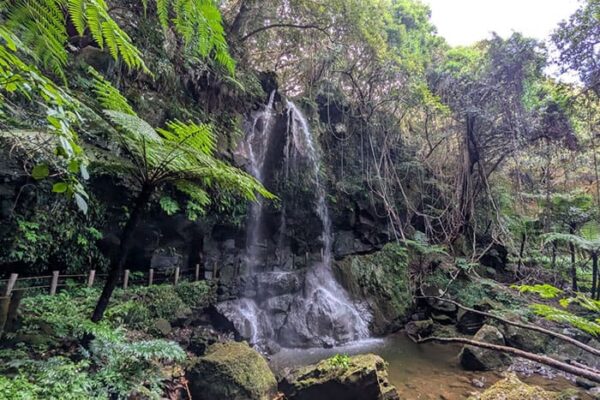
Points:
[(428, 371)]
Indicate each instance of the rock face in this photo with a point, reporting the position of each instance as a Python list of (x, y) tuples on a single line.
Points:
[(381, 280), (511, 388), (232, 371), (477, 359), (363, 377)]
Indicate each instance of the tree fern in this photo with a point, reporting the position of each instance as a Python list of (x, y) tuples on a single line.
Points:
[(200, 24), (42, 26)]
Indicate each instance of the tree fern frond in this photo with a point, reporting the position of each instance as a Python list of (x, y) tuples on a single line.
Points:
[(198, 137), (162, 10), (108, 96), (78, 15), (134, 126)]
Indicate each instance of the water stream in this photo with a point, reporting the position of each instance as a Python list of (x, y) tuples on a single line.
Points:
[(427, 371), (299, 307)]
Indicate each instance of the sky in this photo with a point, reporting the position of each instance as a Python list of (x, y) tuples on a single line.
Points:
[(463, 22)]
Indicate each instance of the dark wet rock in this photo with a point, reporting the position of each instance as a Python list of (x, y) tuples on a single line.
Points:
[(381, 281), (202, 338), (364, 377), (420, 329), (477, 359), (232, 371), (584, 383), (469, 322), (271, 284), (511, 388), (526, 339), (443, 318)]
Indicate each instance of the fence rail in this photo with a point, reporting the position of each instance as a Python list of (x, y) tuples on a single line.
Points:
[(12, 293)]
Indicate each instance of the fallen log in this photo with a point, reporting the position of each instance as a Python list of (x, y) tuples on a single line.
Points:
[(587, 373), (568, 339)]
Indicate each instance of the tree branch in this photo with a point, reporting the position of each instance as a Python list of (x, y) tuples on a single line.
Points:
[(536, 328), (283, 25), (588, 373)]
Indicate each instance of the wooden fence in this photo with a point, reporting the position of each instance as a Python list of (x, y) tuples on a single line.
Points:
[(15, 287)]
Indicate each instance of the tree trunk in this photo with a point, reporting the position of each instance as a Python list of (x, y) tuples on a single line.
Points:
[(117, 263), (594, 274), (573, 265), (522, 250)]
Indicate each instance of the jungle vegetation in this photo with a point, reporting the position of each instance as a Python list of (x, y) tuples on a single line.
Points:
[(465, 150)]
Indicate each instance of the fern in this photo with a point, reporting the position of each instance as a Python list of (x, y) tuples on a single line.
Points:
[(545, 291), (108, 96), (200, 24), (565, 317), (42, 27)]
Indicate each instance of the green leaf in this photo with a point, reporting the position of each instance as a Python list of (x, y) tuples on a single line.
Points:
[(60, 187), (81, 203), (40, 172)]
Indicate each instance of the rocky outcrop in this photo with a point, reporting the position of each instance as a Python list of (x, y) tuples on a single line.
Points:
[(477, 359), (381, 281), (362, 377), (511, 388), (232, 371)]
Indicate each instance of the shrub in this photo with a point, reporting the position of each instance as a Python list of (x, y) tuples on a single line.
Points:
[(196, 294)]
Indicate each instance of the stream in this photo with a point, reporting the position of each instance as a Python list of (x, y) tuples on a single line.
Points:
[(428, 371)]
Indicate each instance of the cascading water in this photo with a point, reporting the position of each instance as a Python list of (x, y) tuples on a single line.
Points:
[(256, 145), (294, 308)]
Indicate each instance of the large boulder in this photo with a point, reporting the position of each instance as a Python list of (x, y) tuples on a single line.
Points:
[(232, 371), (511, 388), (474, 358), (362, 377), (380, 280)]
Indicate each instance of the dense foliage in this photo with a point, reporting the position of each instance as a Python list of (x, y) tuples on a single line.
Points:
[(473, 171)]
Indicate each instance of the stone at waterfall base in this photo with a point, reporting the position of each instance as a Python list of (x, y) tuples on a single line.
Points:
[(511, 388), (232, 371), (477, 359), (363, 378)]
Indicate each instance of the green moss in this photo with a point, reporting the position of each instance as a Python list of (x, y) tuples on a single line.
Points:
[(232, 370), (511, 388), (383, 278)]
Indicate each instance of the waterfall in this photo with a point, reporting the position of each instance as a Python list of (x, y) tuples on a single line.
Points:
[(256, 146), (300, 307)]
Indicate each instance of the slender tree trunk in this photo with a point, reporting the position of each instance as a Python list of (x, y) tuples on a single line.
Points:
[(522, 250), (594, 274), (117, 263), (573, 264)]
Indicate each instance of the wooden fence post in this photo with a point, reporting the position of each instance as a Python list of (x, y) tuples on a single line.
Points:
[(11, 284), (150, 276), (176, 276), (5, 301), (15, 302), (54, 283), (197, 274), (126, 279), (91, 278)]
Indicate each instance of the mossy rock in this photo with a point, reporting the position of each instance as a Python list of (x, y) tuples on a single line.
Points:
[(381, 279), (362, 377), (511, 388), (232, 371)]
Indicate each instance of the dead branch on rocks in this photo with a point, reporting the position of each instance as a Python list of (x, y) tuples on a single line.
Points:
[(587, 372), (535, 328)]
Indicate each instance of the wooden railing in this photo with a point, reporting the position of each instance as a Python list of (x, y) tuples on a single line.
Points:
[(12, 294)]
